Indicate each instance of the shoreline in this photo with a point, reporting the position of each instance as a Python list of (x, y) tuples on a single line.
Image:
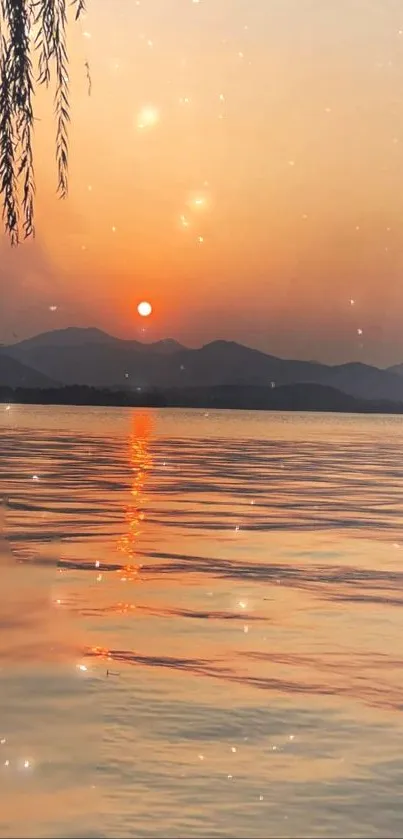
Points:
[(307, 397)]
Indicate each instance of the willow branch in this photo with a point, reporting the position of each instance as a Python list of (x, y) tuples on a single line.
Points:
[(17, 20), (8, 142), (80, 6)]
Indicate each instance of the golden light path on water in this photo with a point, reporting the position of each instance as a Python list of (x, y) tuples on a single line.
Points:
[(201, 616)]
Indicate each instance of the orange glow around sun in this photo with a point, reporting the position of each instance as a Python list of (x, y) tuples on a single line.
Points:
[(144, 309), (217, 196)]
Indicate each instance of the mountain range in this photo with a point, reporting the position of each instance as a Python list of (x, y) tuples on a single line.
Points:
[(76, 356)]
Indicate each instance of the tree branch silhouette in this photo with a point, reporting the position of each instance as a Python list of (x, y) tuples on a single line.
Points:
[(29, 27)]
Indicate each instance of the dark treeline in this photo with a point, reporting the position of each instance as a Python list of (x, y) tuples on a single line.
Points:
[(299, 397)]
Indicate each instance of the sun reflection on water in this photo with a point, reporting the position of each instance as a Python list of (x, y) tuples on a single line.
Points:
[(259, 669), (140, 462)]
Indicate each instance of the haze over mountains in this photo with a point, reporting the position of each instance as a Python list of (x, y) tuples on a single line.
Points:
[(15, 374), (76, 356)]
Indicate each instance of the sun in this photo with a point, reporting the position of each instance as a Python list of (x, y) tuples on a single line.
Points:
[(144, 309)]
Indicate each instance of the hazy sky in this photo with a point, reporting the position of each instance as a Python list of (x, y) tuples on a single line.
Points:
[(239, 163)]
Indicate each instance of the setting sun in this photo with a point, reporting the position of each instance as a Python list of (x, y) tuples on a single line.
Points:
[(144, 309)]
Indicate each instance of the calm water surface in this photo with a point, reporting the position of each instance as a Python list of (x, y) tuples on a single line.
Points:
[(201, 624)]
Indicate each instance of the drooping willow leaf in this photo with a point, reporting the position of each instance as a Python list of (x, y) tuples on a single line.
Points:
[(28, 27)]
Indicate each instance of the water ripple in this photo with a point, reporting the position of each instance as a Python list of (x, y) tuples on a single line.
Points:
[(226, 593)]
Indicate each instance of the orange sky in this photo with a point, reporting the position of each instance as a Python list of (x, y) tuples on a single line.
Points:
[(286, 118)]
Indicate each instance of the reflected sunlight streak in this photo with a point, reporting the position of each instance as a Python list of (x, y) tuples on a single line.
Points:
[(140, 462)]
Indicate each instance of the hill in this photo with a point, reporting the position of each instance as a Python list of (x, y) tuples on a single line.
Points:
[(397, 369), (14, 374), (91, 357), (82, 337)]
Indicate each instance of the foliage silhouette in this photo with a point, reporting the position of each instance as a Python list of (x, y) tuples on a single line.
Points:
[(298, 397), (29, 30)]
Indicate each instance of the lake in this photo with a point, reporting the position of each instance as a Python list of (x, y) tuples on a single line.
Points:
[(201, 624)]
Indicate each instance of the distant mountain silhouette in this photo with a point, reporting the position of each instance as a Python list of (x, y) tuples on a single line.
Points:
[(74, 336), (91, 357), (397, 369), (70, 337), (167, 346), (14, 374)]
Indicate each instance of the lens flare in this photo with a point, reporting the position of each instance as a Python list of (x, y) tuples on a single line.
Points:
[(148, 117)]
